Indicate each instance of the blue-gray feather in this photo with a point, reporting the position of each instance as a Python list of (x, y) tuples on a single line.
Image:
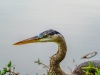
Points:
[(48, 33)]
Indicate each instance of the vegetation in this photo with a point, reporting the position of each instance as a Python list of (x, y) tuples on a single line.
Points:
[(91, 70), (9, 69), (88, 70)]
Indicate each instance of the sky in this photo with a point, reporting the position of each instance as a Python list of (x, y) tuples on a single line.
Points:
[(77, 20)]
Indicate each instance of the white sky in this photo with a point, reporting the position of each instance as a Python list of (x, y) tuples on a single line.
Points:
[(77, 20)]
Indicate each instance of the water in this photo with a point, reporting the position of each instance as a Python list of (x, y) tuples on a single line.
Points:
[(78, 21)]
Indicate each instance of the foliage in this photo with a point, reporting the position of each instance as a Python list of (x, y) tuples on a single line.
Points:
[(40, 63), (88, 70), (91, 70), (9, 69), (44, 66)]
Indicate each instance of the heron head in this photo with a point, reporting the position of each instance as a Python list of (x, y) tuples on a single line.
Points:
[(46, 36)]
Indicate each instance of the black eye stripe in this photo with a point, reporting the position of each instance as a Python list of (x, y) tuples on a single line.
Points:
[(51, 33)]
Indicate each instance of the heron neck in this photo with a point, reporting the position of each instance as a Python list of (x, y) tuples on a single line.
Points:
[(58, 57), (62, 49)]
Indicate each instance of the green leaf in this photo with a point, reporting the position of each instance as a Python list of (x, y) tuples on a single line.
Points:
[(4, 70), (38, 61), (0, 72), (89, 67), (9, 64)]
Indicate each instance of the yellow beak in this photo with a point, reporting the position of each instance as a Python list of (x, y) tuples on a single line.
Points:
[(26, 41)]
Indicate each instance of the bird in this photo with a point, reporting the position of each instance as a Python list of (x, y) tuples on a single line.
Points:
[(51, 35)]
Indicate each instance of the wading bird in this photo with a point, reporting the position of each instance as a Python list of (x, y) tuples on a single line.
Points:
[(54, 36)]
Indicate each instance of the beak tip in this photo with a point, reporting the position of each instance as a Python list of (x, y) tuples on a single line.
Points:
[(15, 44), (26, 41), (18, 43)]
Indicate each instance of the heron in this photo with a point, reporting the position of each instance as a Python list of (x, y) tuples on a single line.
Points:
[(55, 60)]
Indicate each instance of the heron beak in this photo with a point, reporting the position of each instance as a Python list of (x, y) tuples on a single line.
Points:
[(29, 40)]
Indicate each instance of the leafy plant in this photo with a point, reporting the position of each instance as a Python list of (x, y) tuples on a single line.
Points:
[(40, 63), (9, 69), (91, 70), (44, 66)]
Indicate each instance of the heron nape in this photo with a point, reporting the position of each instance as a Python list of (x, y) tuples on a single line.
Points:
[(54, 36)]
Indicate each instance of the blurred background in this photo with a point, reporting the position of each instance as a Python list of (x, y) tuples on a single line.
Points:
[(77, 20)]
